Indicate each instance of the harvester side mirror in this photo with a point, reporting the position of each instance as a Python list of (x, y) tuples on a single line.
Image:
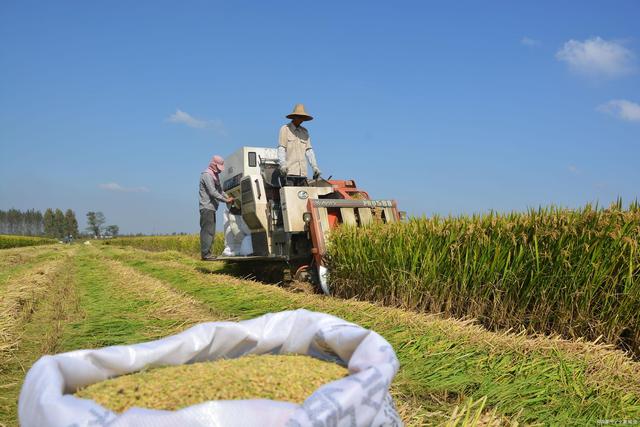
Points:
[(403, 215)]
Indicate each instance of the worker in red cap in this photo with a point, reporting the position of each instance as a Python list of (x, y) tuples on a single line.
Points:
[(211, 195)]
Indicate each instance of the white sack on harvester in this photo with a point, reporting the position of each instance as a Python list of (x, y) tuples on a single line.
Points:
[(237, 236)]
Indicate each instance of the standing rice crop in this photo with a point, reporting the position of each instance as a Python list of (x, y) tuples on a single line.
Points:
[(7, 241), (189, 244), (550, 270)]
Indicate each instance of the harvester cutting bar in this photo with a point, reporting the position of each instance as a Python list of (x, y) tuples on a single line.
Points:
[(327, 214)]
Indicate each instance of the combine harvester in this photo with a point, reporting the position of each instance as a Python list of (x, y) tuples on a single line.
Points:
[(290, 225)]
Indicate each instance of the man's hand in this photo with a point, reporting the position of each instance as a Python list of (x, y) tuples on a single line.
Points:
[(316, 173), (230, 200)]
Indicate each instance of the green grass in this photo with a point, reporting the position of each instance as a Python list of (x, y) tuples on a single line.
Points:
[(109, 316), (443, 362), (7, 241)]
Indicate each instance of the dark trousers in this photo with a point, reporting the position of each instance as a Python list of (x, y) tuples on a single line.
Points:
[(296, 181), (207, 231)]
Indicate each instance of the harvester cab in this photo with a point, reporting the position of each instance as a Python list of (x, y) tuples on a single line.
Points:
[(290, 225)]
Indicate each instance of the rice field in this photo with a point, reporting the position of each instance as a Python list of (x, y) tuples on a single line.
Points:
[(453, 372), (575, 273), (556, 271), (7, 241)]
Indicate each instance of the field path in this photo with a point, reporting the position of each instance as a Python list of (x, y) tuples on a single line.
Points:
[(78, 300)]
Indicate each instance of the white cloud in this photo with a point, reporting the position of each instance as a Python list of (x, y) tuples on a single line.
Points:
[(528, 41), (185, 118), (573, 169), (623, 109), (114, 186), (597, 57)]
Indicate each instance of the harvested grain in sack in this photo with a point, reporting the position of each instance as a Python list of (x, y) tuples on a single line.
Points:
[(360, 399), (288, 378)]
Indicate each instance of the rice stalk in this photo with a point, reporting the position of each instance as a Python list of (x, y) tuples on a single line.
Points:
[(17, 304), (550, 270)]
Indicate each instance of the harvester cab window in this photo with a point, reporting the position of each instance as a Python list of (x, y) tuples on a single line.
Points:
[(252, 159)]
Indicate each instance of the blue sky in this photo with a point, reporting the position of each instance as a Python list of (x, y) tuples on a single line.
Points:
[(449, 107)]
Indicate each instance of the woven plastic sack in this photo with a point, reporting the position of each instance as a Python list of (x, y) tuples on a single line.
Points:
[(237, 236), (360, 399)]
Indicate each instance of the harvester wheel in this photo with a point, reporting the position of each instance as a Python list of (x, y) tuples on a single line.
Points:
[(310, 274), (303, 274)]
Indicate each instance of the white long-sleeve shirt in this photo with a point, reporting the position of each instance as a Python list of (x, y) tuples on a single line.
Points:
[(295, 142)]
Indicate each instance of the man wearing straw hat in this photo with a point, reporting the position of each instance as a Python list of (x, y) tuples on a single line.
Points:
[(294, 149), (211, 195)]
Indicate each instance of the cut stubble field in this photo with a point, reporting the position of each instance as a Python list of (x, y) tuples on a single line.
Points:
[(55, 299)]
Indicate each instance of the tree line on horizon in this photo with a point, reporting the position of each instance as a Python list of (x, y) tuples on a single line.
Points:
[(53, 223)]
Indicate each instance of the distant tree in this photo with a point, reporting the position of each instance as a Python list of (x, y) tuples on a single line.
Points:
[(30, 219), (95, 220), (58, 223), (49, 222), (112, 230), (13, 219), (71, 224), (39, 223)]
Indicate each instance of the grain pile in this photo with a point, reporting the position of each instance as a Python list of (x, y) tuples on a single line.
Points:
[(290, 378)]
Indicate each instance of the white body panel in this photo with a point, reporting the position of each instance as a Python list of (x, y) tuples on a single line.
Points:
[(238, 163), (260, 206), (294, 203)]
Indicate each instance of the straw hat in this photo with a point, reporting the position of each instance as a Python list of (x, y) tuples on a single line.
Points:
[(298, 110)]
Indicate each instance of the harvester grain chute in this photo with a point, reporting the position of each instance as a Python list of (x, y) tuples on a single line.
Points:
[(290, 225)]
